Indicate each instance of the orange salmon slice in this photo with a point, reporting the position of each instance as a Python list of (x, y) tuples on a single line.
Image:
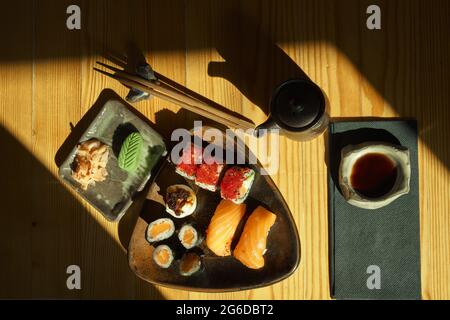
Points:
[(253, 242), (223, 226)]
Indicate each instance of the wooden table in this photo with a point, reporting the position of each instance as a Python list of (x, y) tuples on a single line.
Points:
[(47, 84)]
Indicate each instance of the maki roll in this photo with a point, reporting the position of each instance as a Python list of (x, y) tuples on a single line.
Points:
[(189, 236), (159, 230), (181, 201), (163, 256), (190, 264), (189, 161), (208, 173), (236, 184)]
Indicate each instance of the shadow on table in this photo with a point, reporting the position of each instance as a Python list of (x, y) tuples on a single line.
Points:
[(247, 35), (45, 229), (254, 63), (135, 58)]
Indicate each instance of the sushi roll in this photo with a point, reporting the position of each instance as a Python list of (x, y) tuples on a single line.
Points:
[(190, 263), (223, 226), (163, 256), (189, 236), (181, 201), (159, 230), (189, 161), (207, 175), (236, 184), (252, 245)]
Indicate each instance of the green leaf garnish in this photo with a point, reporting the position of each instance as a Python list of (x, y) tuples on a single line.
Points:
[(130, 152)]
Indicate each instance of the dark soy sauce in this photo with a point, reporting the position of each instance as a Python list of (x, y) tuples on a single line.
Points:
[(373, 175)]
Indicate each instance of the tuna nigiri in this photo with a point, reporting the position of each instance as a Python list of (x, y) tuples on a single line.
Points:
[(252, 244), (222, 227)]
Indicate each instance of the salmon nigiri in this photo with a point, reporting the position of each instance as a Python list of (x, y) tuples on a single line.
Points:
[(222, 227), (252, 244)]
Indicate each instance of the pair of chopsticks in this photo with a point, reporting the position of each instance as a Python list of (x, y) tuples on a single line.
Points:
[(165, 91)]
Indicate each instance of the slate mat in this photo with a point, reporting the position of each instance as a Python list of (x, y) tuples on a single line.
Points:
[(374, 254)]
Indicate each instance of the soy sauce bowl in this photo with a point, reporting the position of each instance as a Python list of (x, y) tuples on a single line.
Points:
[(373, 175)]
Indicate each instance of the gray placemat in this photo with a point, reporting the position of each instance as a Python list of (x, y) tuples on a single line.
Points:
[(374, 254)]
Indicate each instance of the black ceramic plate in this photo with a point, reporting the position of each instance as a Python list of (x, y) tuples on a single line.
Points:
[(218, 273)]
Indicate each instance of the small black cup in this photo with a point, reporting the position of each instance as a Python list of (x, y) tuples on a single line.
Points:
[(297, 110)]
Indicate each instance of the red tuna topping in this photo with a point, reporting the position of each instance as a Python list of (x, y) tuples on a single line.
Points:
[(232, 182)]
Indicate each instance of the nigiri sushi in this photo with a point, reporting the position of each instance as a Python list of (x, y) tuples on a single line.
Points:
[(189, 161), (236, 184), (251, 247), (223, 226)]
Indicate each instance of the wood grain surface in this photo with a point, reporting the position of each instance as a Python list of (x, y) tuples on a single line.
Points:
[(233, 52)]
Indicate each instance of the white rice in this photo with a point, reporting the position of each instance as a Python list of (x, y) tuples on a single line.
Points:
[(208, 187), (184, 175)]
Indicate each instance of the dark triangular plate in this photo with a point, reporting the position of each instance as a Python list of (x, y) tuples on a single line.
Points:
[(218, 274)]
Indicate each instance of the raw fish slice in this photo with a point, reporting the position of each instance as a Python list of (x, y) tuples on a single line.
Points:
[(252, 244), (222, 227)]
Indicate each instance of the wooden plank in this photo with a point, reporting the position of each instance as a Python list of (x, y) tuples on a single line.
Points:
[(57, 215), (16, 87)]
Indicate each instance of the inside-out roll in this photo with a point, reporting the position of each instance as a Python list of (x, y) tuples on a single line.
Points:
[(236, 184)]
